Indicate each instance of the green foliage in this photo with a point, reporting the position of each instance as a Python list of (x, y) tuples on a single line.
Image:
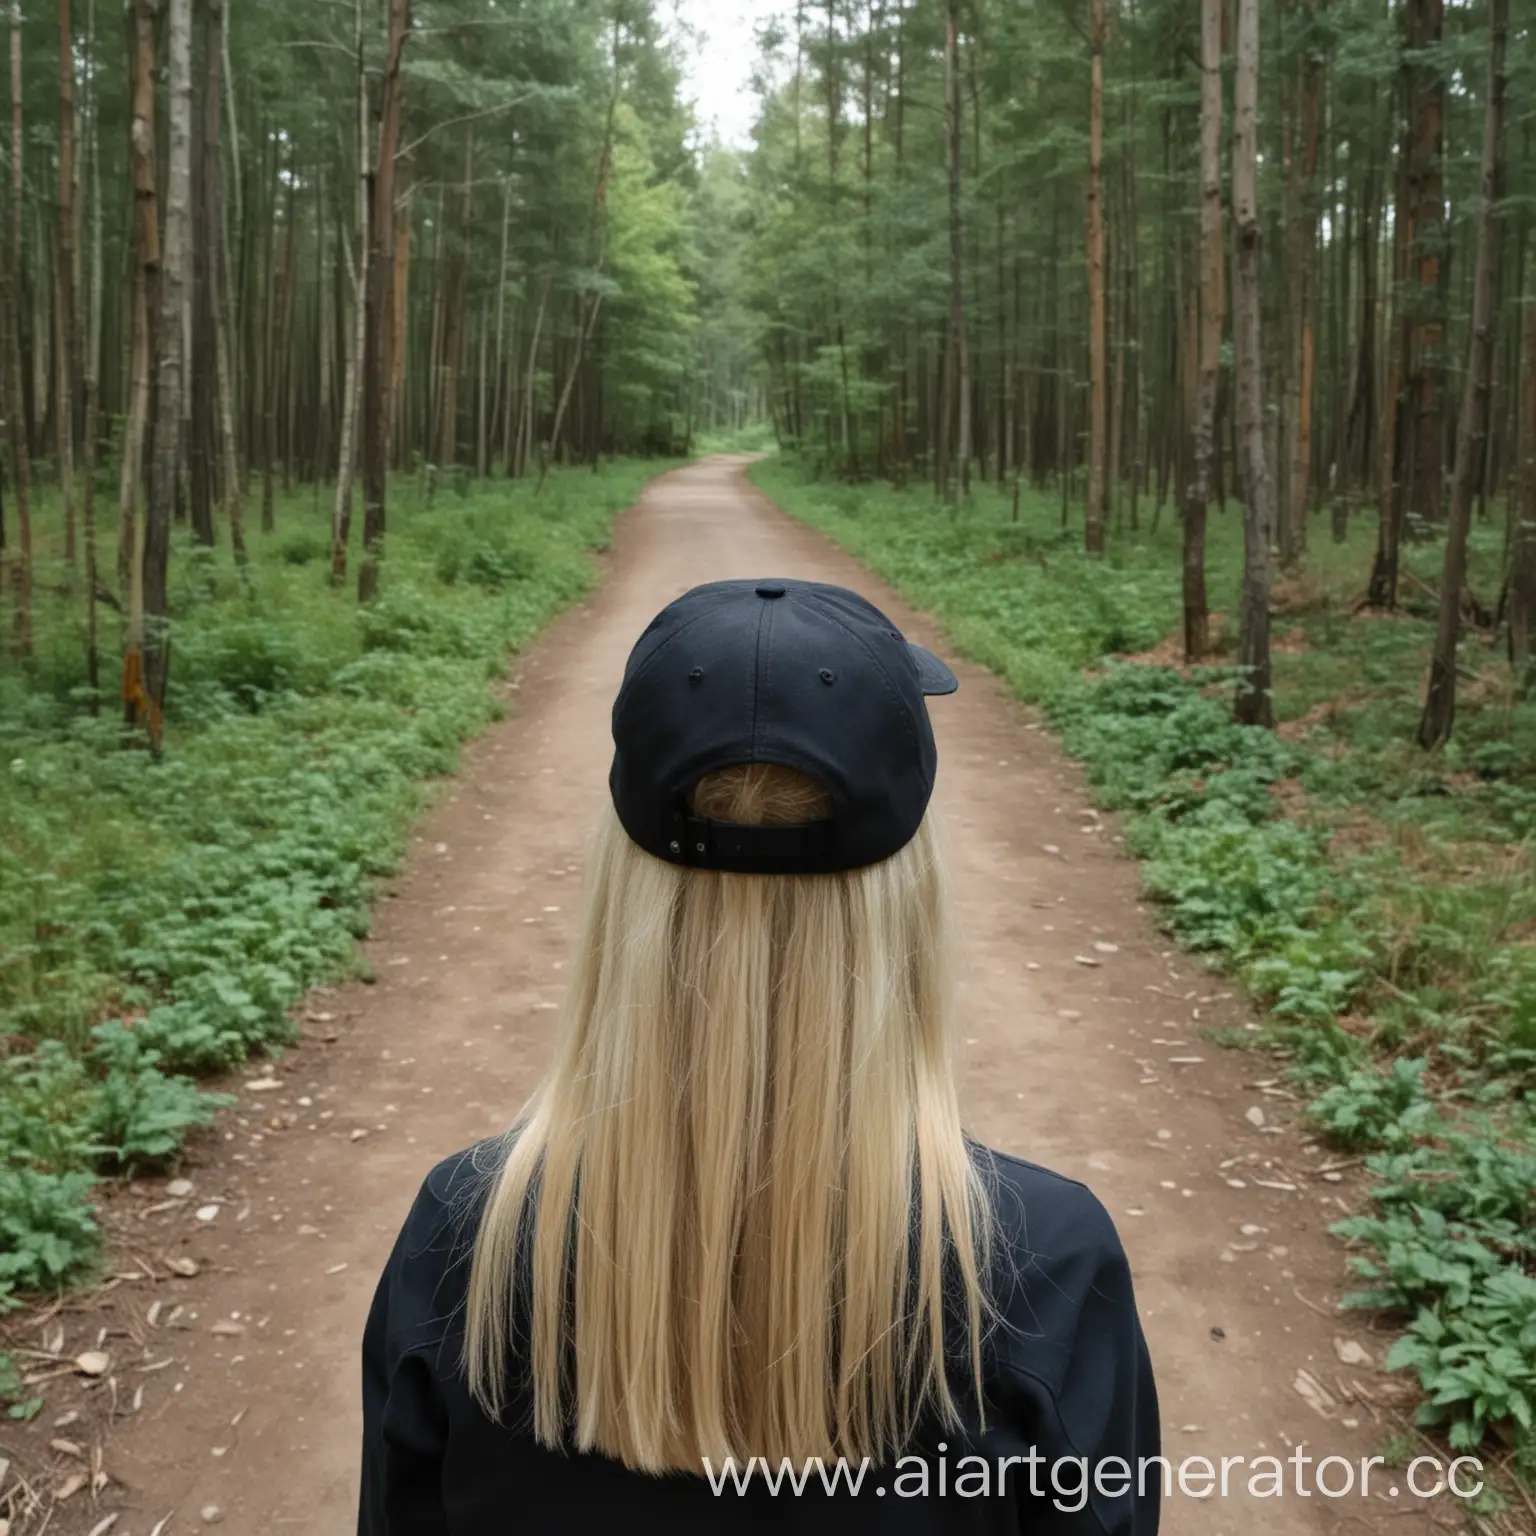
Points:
[(755, 437), (138, 1116), (1477, 1363), (162, 919), (47, 1232), (1332, 868), (1376, 1107), (13, 1391)]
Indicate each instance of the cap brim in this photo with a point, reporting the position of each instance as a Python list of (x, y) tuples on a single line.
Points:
[(933, 676)]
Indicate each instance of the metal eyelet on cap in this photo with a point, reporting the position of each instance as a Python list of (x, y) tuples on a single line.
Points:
[(696, 676), (828, 676)]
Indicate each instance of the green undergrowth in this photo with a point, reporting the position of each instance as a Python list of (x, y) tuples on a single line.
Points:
[(158, 921), (1378, 902), (753, 437)]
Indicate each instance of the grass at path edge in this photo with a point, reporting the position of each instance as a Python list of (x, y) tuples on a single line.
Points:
[(160, 922)]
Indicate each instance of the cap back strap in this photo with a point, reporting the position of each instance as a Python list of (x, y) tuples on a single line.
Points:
[(703, 843)]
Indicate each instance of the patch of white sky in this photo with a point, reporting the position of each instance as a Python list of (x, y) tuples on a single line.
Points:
[(722, 53)]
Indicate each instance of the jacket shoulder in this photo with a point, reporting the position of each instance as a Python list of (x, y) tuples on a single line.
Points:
[(427, 1276), (1039, 1212), (1057, 1260)]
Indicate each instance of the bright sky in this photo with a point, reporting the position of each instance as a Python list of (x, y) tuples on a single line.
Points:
[(720, 74)]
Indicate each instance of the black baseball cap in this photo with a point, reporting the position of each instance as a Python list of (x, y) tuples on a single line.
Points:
[(796, 673)]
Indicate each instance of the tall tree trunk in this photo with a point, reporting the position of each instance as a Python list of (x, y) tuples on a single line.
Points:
[(233, 477), (202, 435), (1414, 441), (171, 346), (400, 334), (1098, 306), (1472, 430), (280, 376), (450, 362), (483, 401), (526, 427), (1254, 706), (379, 342), (67, 359), (1360, 427), (1522, 502), (287, 312), (952, 381), (140, 704), (1300, 240), (1212, 307), (341, 509), (92, 380), (1426, 383), (15, 405), (1394, 438), (268, 350), (834, 135), (501, 402)]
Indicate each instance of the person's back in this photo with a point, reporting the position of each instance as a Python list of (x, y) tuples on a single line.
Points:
[(736, 1264)]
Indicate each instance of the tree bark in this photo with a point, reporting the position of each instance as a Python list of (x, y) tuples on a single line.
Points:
[(1522, 576), (526, 425), (379, 340), (1301, 238), (1439, 715), (501, 406), (952, 382), (92, 382), (140, 705), (217, 265), (1254, 706), (67, 360), (1098, 307), (450, 362), (1212, 306), (1360, 427), (341, 510), (1412, 446), (203, 436), (15, 406), (171, 345)]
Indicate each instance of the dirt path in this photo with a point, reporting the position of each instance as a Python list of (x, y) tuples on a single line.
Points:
[(1097, 1069)]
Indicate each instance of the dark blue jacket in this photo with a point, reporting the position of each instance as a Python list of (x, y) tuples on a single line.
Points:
[(1067, 1381)]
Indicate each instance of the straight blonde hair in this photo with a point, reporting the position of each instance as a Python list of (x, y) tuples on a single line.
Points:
[(736, 1215)]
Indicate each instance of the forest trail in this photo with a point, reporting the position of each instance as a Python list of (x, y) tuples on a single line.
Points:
[(1098, 1070)]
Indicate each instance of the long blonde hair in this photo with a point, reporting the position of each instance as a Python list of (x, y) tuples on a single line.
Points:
[(740, 1207)]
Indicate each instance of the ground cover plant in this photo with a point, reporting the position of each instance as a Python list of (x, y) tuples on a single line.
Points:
[(1377, 900), (159, 920)]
